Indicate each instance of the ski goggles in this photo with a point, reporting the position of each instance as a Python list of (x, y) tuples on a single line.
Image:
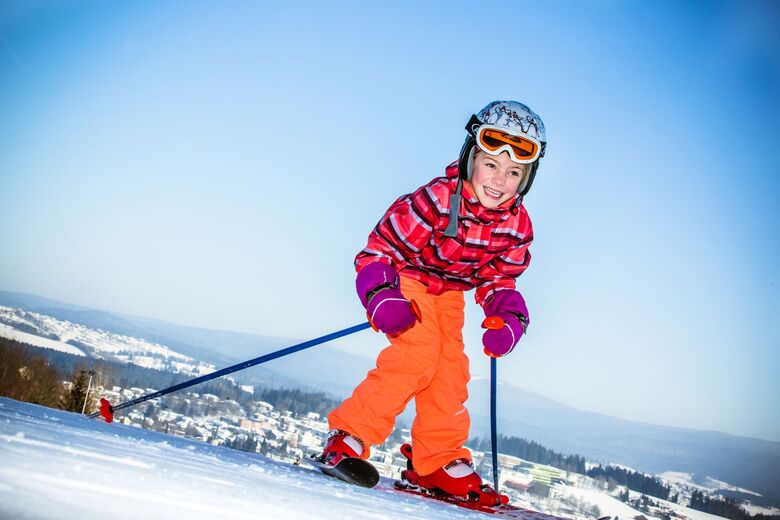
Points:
[(521, 148)]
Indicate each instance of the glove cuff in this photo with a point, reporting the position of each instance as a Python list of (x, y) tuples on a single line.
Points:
[(372, 277), (507, 300)]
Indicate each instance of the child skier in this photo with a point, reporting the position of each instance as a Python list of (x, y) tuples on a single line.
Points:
[(465, 230)]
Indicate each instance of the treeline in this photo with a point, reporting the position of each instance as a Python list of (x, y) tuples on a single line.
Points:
[(111, 372), (297, 401), (33, 379), (248, 443), (34, 374), (59, 379), (535, 452), (633, 480), (532, 452), (727, 508)]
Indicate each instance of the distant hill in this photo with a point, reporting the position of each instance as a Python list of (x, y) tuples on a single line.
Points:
[(219, 347), (741, 461), (322, 368)]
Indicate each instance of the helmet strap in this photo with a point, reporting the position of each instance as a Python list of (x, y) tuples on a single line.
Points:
[(452, 225), (470, 163), (531, 175), (464, 159)]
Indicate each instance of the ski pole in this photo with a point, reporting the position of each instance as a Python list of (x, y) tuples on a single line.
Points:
[(493, 437), (107, 410), (494, 323)]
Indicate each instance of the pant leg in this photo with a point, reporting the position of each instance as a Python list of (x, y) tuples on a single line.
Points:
[(402, 370), (441, 426)]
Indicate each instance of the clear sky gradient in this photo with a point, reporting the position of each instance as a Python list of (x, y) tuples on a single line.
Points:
[(219, 164)]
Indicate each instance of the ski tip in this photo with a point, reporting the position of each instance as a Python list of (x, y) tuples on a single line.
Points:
[(106, 410), (351, 470), (357, 471)]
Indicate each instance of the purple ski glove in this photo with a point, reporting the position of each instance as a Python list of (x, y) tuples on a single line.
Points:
[(387, 309), (506, 321)]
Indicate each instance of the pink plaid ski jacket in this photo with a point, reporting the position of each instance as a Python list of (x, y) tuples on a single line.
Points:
[(489, 252)]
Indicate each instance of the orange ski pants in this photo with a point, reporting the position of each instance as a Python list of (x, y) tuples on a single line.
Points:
[(426, 363)]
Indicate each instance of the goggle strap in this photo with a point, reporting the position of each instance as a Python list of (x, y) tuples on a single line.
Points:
[(474, 123)]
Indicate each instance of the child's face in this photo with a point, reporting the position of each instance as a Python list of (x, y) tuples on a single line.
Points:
[(496, 178)]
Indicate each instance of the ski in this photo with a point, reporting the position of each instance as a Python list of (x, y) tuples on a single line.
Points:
[(352, 470), (476, 501), (502, 510)]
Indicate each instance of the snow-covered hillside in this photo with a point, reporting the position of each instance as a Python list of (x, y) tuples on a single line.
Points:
[(60, 465), (703, 483), (48, 332)]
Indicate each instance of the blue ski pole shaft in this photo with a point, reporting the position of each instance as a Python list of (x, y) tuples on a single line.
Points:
[(240, 366), (493, 436)]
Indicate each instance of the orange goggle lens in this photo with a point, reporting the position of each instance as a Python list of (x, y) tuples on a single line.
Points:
[(492, 140)]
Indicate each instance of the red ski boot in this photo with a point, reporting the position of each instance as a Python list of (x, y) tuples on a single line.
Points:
[(340, 445), (341, 459), (458, 479)]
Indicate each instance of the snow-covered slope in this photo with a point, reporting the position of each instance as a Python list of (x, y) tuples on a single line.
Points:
[(60, 465), (6, 331), (702, 483)]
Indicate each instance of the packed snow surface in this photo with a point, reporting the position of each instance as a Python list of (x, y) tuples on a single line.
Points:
[(60, 465)]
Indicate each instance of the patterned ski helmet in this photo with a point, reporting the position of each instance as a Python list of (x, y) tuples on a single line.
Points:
[(516, 118)]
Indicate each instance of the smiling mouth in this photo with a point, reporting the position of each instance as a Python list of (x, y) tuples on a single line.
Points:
[(492, 193)]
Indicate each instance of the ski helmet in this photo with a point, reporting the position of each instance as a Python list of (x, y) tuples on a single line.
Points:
[(515, 119)]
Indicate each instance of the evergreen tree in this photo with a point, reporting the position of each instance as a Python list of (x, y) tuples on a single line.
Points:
[(74, 399)]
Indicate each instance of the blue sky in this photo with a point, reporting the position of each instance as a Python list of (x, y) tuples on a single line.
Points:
[(220, 164)]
